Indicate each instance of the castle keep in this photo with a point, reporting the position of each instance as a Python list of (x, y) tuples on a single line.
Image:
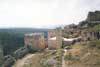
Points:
[(35, 40)]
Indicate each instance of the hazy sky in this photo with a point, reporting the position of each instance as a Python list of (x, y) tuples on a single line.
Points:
[(44, 13)]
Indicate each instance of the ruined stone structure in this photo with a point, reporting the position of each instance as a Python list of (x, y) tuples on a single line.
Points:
[(57, 35), (90, 35), (35, 40)]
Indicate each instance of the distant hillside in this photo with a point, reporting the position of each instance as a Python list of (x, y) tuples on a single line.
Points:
[(24, 30)]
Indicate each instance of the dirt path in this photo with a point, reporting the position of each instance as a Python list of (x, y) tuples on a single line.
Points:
[(63, 61), (21, 62)]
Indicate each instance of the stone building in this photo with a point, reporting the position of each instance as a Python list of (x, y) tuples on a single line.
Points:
[(55, 39), (35, 40), (90, 35)]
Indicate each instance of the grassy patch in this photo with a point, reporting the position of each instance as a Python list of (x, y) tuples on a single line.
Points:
[(44, 59)]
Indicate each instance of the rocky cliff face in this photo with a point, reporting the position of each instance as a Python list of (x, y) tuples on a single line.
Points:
[(1, 55), (93, 16)]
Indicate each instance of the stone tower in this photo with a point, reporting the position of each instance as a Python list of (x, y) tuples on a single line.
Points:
[(55, 39), (35, 40), (59, 37)]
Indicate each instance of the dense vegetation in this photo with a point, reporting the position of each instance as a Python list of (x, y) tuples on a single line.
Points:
[(11, 41), (1, 55)]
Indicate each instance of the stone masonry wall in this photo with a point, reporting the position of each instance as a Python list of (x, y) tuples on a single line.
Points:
[(35, 40)]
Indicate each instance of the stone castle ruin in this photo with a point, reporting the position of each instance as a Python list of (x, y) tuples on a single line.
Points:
[(38, 42), (35, 40), (91, 35), (55, 39)]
